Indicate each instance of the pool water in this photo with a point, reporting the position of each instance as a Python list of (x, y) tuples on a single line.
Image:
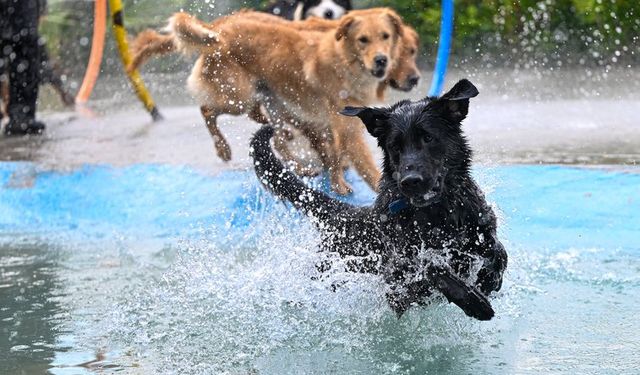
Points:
[(162, 269)]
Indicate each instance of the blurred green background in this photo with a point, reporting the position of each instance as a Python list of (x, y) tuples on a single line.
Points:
[(547, 34)]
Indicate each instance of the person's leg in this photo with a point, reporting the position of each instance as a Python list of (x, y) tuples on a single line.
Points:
[(24, 61), (4, 86), (5, 33)]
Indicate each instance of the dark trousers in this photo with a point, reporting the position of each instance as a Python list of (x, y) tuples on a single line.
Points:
[(20, 56)]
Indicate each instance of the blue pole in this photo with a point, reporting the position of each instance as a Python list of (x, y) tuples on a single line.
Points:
[(444, 46)]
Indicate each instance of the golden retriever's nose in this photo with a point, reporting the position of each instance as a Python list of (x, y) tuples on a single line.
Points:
[(413, 80), (380, 61)]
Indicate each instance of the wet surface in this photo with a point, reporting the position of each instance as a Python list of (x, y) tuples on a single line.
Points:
[(161, 269), (127, 246), (517, 118), (29, 290)]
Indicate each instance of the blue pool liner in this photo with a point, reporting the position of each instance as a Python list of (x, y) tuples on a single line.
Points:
[(542, 206)]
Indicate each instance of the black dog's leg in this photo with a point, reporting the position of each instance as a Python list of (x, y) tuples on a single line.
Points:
[(455, 290), (490, 275), (468, 298), (483, 241)]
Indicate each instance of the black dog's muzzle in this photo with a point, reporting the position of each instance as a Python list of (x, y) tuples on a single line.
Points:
[(410, 188)]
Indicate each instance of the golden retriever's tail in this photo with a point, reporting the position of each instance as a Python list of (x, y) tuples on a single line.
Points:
[(147, 44), (191, 34)]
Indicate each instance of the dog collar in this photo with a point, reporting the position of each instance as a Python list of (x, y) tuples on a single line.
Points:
[(397, 206)]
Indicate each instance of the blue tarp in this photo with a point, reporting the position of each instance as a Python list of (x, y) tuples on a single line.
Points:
[(546, 206)]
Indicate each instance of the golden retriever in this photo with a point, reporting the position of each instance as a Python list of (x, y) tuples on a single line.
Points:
[(305, 76)]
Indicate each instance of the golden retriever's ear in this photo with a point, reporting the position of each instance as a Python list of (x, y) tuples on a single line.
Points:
[(397, 23), (345, 25)]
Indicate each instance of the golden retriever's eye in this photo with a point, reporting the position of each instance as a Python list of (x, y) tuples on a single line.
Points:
[(412, 51), (385, 36), (363, 40)]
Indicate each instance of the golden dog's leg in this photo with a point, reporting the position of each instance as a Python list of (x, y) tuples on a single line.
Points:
[(222, 146), (4, 95), (287, 134), (354, 146), (280, 144), (282, 136), (277, 119), (257, 115), (336, 172), (325, 145)]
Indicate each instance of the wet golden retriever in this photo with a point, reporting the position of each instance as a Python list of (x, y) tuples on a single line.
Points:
[(304, 76), (403, 75)]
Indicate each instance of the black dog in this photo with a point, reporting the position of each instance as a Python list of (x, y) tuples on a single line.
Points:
[(301, 9), (430, 228)]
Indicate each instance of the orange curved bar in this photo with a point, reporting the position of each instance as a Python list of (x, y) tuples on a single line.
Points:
[(97, 47)]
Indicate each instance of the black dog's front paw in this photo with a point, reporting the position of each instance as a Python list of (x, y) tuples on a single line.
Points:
[(468, 298), (490, 276), (489, 281)]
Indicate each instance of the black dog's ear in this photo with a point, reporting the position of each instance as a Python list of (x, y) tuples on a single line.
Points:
[(373, 118), (462, 90), (457, 99)]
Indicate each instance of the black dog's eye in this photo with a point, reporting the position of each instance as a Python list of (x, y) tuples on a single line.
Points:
[(427, 138), (385, 36), (395, 155), (363, 40), (394, 147)]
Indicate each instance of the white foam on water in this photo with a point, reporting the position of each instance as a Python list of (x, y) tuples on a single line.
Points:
[(247, 308), (252, 301)]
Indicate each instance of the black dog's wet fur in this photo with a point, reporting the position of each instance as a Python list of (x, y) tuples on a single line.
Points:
[(456, 225)]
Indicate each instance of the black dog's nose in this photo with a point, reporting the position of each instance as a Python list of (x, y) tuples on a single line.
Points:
[(381, 61), (328, 14), (413, 80), (411, 182)]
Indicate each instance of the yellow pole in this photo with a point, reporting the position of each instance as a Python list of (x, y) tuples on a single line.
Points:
[(120, 34)]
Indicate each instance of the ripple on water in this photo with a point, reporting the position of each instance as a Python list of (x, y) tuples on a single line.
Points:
[(239, 291), (264, 307)]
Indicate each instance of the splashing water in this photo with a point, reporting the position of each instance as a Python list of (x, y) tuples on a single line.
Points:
[(266, 307), (187, 273)]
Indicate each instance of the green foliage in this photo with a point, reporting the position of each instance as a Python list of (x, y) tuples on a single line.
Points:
[(523, 33), (528, 31)]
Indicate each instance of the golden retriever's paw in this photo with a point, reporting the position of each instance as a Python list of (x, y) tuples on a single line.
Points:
[(223, 150), (374, 182), (307, 170), (342, 188), (287, 134)]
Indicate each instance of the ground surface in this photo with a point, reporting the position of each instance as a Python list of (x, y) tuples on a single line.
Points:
[(147, 255), (517, 118)]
